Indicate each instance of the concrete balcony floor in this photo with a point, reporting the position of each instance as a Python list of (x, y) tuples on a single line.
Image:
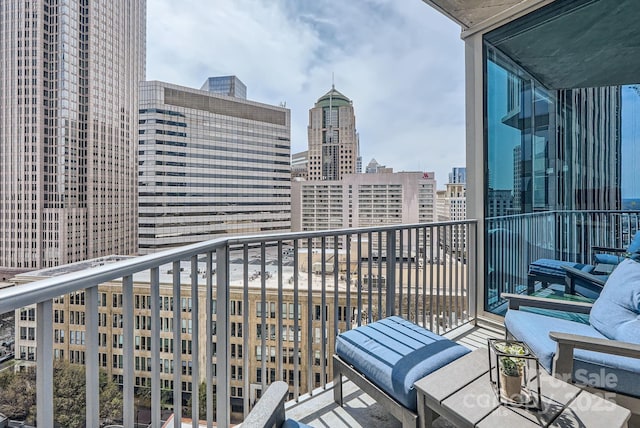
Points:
[(319, 410)]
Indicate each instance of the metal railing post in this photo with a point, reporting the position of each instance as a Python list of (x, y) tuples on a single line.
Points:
[(264, 349), (472, 270), (177, 348), (155, 348), (44, 363), (209, 340), (281, 316), (391, 273), (296, 323), (309, 316), (323, 312), (348, 280), (195, 339), (128, 374), (91, 354), (222, 324), (245, 334)]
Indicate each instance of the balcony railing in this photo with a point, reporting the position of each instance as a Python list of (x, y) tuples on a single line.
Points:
[(286, 298), (513, 242)]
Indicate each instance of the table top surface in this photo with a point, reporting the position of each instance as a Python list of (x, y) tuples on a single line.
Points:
[(462, 392)]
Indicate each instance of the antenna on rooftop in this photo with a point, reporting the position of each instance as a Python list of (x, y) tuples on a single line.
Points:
[(333, 80), (331, 109)]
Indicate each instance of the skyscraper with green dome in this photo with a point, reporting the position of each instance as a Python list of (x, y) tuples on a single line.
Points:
[(334, 145)]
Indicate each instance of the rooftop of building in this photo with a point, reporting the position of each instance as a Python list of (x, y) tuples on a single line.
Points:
[(334, 98), (68, 268)]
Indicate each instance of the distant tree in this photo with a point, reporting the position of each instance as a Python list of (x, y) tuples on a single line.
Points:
[(18, 395), (6, 377), (202, 407), (110, 399), (69, 398)]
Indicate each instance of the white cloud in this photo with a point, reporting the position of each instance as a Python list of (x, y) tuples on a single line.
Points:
[(399, 61)]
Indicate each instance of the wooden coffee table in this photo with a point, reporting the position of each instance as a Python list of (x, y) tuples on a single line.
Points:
[(462, 393)]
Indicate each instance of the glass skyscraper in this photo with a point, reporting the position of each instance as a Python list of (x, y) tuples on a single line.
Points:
[(566, 143), (226, 85), (552, 132), (68, 129), (458, 175)]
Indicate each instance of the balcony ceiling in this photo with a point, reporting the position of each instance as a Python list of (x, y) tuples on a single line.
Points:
[(576, 45), (567, 44), (468, 13)]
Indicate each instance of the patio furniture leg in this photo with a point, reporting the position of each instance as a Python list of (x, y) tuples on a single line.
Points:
[(531, 284), (426, 416), (409, 420), (337, 382)]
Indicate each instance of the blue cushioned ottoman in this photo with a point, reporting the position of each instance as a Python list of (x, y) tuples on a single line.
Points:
[(394, 353)]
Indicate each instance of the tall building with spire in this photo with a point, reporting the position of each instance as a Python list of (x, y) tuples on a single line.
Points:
[(333, 141), (69, 129)]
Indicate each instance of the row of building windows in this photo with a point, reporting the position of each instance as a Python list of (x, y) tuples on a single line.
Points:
[(270, 310)]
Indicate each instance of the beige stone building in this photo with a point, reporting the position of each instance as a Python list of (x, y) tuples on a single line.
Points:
[(363, 200)]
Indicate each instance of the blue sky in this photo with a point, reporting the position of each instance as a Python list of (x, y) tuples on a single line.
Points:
[(400, 61)]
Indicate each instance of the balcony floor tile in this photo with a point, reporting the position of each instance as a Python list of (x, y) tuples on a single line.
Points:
[(359, 410)]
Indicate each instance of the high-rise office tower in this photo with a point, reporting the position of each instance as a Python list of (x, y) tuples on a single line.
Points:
[(333, 140), (69, 73), (210, 166), (458, 175)]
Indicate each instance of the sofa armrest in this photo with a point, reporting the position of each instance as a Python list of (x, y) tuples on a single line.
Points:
[(573, 273), (269, 410), (567, 343), (608, 250), (607, 346), (517, 300)]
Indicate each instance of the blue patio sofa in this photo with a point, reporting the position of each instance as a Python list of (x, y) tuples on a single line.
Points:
[(385, 358), (551, 271), (614, 256), (603, 354)]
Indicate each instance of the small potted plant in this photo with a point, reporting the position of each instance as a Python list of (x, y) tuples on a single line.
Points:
[(511, 369)]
